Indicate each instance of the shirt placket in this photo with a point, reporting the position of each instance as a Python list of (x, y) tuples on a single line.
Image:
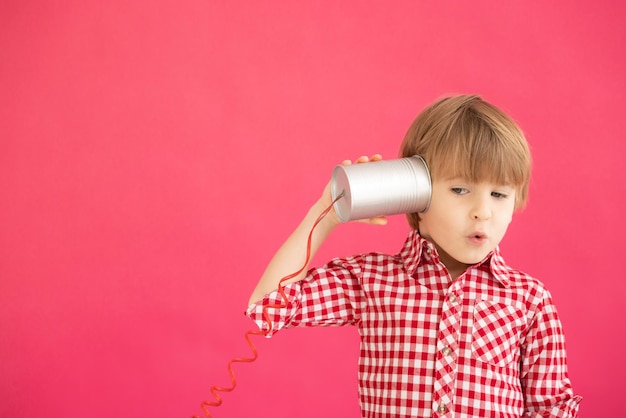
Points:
[(447, 353)]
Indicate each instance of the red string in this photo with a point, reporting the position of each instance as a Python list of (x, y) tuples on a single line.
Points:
[(215, 389)]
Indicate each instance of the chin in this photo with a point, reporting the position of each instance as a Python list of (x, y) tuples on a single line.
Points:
[(475, 258)]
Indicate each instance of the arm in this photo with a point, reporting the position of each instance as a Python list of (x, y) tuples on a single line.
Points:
[(291, 256), (547, 388)]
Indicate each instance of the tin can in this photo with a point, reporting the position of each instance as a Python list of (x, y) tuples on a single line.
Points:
[(381, 188)]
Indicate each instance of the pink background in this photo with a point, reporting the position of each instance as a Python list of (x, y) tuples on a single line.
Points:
[(153, 155)]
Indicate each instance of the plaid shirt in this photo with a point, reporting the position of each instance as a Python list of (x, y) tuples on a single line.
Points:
[(488, 344)]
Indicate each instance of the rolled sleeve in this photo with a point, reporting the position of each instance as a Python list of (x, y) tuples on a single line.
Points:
[(272, 313), (567, 408)]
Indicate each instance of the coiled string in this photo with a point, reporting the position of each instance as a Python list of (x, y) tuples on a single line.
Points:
[(216, 389)]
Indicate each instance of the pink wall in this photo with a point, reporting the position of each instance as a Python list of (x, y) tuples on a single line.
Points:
[(153, 155)]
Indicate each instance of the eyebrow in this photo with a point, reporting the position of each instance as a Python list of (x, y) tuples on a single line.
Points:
[(468, 181)]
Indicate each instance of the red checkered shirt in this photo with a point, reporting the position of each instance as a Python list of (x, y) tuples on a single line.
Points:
[(488, 344)]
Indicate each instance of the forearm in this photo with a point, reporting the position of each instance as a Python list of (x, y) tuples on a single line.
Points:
[(291, 256)]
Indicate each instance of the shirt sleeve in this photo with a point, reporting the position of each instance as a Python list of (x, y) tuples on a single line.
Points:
[(547, 388), (327, 296)]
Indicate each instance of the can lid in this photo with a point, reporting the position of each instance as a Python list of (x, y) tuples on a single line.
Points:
[(426, 183), (340, 185)]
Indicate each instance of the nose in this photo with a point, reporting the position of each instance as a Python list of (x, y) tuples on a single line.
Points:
[(481, 210)]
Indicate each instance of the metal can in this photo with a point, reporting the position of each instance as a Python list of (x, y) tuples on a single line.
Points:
[(381, 188)]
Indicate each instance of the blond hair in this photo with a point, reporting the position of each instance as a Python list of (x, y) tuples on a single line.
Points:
[(464, 136)]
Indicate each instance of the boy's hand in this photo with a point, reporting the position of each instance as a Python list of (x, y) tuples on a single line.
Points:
[(326, 198)]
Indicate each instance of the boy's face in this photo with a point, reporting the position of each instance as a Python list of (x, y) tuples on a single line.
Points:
[(466, 220)]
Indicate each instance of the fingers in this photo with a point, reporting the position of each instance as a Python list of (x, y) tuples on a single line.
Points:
[(363, 159), (379, 220)]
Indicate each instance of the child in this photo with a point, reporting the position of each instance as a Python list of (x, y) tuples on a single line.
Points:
[(447, 328)]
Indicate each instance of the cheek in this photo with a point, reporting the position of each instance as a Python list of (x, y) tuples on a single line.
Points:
[(505, 220), (510, 214), (438, 224), (428, 223)]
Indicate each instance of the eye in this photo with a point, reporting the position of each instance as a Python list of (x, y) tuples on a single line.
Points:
[(459, 190), (499, 195)]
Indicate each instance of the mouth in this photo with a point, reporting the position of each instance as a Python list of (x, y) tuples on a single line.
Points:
[(477, 238)]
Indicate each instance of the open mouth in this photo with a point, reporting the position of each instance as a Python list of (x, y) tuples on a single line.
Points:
[(477, 238)]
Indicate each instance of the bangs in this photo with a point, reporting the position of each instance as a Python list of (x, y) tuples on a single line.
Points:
[(481, 157)]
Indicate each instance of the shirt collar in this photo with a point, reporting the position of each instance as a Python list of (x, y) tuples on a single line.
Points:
[(416, 248)]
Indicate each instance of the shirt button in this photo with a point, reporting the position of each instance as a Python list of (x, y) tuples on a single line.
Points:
[(446, 351), (442, 409), (452, 298)]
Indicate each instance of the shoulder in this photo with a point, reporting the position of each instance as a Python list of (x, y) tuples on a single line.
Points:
[(521, 280), (517, 281), (532, 291)]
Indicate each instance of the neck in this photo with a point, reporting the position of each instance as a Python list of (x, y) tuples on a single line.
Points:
[(455, 268), (455, 273)]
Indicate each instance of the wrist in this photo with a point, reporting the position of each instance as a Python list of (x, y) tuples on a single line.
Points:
[(330, 221)]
